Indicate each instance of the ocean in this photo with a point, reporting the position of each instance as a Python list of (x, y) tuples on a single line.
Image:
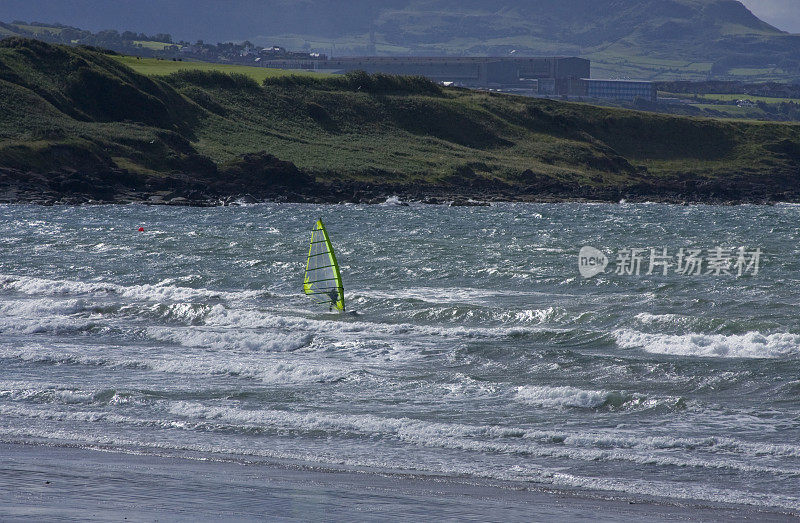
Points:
[(472, 346)]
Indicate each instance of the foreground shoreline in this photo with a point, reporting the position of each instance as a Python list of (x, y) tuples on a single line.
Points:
[(45, 482)]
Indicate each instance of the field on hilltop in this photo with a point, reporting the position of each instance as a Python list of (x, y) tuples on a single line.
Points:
[(77, 118), (158, 67)]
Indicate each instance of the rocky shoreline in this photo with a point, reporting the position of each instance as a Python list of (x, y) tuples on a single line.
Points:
[(73, 188)]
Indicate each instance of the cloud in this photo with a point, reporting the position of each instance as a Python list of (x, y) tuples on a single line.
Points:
[(783, 14)]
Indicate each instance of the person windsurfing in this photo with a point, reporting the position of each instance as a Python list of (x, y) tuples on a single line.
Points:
[(322, 280)]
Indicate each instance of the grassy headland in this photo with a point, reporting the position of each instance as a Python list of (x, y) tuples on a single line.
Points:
[(160, 67), (78, 123)]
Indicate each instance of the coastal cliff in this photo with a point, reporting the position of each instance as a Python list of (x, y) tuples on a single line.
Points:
[(79, 126)]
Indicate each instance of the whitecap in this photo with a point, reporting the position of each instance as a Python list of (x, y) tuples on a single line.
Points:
[(564, 396), (392, 200), (162, 291), (749, 345)]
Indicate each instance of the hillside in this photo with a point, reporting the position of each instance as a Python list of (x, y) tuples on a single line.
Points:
[(78, 123), (655, 39)]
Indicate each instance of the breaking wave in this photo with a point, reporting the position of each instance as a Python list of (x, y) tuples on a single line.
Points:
[(569, 397), (750, 345)]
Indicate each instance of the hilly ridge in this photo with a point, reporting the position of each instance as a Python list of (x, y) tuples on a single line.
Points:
[(78, 123), (656, 39)]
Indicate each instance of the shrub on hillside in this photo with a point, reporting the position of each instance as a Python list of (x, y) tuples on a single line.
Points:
[(110, 98), (360, 81), (212, 79)]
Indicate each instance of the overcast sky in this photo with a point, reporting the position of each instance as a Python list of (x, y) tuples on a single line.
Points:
[(783, 14)]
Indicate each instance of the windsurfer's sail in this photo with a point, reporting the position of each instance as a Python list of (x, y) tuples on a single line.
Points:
[(322, 281)]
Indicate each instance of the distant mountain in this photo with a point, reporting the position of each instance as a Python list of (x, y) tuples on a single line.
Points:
[(642, 38)]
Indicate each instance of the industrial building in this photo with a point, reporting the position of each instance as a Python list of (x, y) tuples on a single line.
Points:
[(628, 90), (553, 74), (544, 76)]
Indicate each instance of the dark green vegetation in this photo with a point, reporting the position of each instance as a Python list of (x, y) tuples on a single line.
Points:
[(651, 39), (77, 122)]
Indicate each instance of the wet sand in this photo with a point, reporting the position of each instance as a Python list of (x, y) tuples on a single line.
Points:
[(57, 483)]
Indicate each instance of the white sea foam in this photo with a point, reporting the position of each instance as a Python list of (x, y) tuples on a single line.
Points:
[(440, 295), (268, 372), (471, 315), (670, 319), (238, 339), (258, 365), (480, 438), (37, 307), (344, 328), (182, 312), (392, 201), (561, 396), (45, 395), (160, 293), (67, 354), (531, 316), (173, 303), (60, 317), (54, 325), (750, 345), (608, 445)]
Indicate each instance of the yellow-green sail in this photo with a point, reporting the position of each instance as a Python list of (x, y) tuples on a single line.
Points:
[(322, 280)]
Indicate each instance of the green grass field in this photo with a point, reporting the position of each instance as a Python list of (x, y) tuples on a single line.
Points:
[(734, 97), (155, 67)]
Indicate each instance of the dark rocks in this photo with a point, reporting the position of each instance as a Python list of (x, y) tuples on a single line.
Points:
[(263, 171), (255, 184), (72, 200), (432, 200)]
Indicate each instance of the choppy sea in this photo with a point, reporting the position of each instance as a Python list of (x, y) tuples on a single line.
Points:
[(473, 347)]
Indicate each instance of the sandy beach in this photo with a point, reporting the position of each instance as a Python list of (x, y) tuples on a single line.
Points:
[(58, 483)]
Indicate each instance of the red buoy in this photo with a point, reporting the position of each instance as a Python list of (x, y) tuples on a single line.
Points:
[(141, 229)]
